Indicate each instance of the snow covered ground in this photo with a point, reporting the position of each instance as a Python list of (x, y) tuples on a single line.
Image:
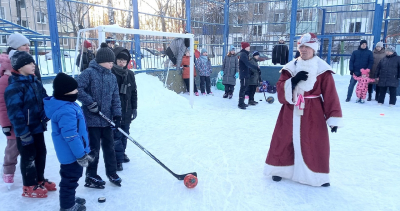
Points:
[(227, 147)]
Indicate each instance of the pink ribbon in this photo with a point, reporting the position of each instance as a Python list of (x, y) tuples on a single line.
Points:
[(300, 100)]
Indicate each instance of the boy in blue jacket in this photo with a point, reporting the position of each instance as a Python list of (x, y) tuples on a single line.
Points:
[(24, 101), (70, 138)]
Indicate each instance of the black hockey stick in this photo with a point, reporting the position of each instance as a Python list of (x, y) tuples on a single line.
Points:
[(178, 176), (265, 98)]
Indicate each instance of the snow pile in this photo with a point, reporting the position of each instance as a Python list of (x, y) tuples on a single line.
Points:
[(227, 147)]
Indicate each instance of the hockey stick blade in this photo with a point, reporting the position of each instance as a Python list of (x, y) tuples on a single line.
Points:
[(179, 177)]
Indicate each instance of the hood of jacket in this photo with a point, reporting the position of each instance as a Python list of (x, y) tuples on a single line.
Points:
[(14, 78), (93, 64), (117, 51), (51, 105)]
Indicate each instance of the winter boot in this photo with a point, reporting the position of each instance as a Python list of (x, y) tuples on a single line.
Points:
[(242, 106), (203, 94), (50, 186), (119, 167), (212, 94), (252, 102), (230, 96), (276, 178), (33, 191), (80, 201), (225, 95), (76, 207), (362, 101), (9, 180), (115, 179), (196, 93), (94, 182), (348, 100), (326, 185), (369, 97), (126, 159)]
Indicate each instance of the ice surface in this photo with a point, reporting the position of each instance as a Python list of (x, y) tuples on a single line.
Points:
[(227, 147)]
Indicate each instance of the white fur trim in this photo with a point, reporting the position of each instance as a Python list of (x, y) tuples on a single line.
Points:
[(308, 66), (301, 172), (288, 91), (281, 171), (335, 121), (314, 46), (322, 66)]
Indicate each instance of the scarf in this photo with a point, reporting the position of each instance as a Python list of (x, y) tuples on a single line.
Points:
[(124, 74), (204, 59)]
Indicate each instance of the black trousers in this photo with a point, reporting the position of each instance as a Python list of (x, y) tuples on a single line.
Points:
[(33, 160), (120, 141), (252, 91), (229, 89), (70, 174), (392, 93), (186, 80), (105, 134), (205, 84), (242, 91)]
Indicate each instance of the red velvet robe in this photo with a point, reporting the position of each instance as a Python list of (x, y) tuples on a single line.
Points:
[(299, 147)]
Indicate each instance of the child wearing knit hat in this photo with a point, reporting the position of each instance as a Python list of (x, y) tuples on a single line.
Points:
[(70, 138), (24, 104), (98, 91), (203, 65)]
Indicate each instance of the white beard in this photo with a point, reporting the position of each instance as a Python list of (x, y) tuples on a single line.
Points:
[(310, 66)]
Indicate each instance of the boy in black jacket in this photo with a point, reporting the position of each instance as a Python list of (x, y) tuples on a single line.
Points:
[(244, 67), (128, 96)]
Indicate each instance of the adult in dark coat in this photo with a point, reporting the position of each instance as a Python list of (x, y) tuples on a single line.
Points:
[(361, 58), (128, 96), (87, 56), (244, 72), (230, 68), (388, 72), (280, 53), (379, 53)]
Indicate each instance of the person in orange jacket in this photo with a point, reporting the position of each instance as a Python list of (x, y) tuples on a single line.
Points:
[(186, 72)]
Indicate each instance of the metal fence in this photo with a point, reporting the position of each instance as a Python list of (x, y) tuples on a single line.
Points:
[(216, 24)]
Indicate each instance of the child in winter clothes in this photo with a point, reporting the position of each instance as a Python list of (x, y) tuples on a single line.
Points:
[(98, 91), (362, 86), (24, 100), (128, 96), (255, 78), (70, 138), (186, 72), (230, 68), (203, 64), (11, 152)]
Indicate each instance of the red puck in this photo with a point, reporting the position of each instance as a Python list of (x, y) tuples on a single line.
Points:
[(190, 181)]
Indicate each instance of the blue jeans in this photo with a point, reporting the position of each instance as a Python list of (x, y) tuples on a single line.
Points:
[(120, 142), (353, 82)]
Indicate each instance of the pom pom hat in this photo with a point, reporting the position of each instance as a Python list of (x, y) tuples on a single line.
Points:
[(310, 40)]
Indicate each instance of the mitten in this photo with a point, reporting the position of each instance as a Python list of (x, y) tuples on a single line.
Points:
[(334, 129), (117, 121), (26, 139), (7, 130), (300, 76), (237, 75), (85, 160), (134, 114), (221, 72), (94, 108)]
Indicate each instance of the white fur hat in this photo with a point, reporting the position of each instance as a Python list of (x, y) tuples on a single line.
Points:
[(310, 40)]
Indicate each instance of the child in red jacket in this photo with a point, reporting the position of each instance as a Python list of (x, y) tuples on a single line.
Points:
[(186, 72), (11, 152)]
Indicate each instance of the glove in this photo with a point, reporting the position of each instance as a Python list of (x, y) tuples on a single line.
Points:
[(351, 73), (85, 160), (237, 75), (221, 72), (134, 114), (334, 129), (26, 139), (300, 76), (7, 130), (93, 108), (117, 121)]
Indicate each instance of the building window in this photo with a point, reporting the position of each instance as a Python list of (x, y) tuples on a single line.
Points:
[(237, 39), (238, 21), (22, 3), (278, 17), (331, 18), (306, 15), (3, 39), (24, 23), (40, 18), (258, 8), (2, 13), (360, 1), (257, 30), (197, 24), (355, 27), (65, 41)]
